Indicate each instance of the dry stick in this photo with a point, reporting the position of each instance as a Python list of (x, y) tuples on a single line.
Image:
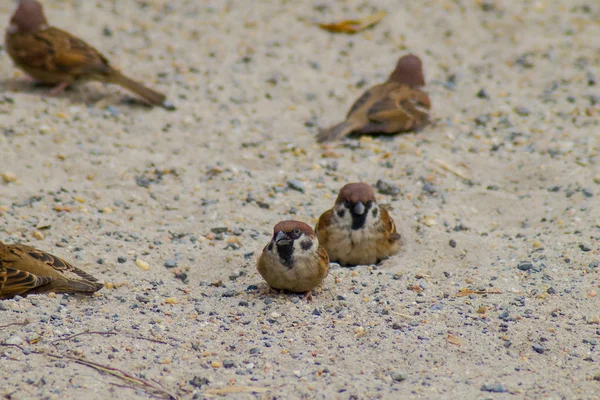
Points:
[(82, 333), (103, 368), (15, 323), (108, 333), (121, 374)]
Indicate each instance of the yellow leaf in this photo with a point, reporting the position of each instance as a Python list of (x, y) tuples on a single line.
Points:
[(352, 26), (453, 340)]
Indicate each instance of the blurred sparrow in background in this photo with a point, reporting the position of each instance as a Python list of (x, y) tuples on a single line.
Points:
[(56, 57), (398, 105)]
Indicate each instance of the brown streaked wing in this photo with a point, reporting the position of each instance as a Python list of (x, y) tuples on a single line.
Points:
[(14, 282), (389, 107), (419, 105), (27, 50), (73, 55), (55, 262), (324, 256), (414, 102), (322, 224), (361, 101), (388, 224)]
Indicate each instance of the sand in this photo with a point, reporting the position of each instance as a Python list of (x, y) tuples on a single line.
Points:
[(499, 197)]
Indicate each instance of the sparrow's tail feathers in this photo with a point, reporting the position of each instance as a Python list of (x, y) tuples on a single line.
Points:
[(336, 132), (151, 96), (71, 286)]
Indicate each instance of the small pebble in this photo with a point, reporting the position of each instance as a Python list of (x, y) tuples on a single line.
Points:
[(14, 340), (522, 111), (493, 388), (398, 376), (142, 298), (585, 248), (143, 265), (525, 265), (387, 188), (296, 185), (198, 382), (538, 348)]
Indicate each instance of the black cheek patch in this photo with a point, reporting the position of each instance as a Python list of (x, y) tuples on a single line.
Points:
[(270, 247), (341, 213), (306, 244), (374, 212)]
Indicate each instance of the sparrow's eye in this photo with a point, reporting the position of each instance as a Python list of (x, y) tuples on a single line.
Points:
[(296, 232)]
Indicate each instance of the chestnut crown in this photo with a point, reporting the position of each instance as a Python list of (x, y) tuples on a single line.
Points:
[(356, 192), (29, 16), (409, 71)]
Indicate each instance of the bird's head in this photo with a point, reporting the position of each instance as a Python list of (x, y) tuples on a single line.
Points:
[(28, 17), (356, 207), (292, 240), (409, 71)]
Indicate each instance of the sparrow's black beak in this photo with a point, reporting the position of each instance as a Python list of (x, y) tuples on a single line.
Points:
[(359, 208), (282, 239)]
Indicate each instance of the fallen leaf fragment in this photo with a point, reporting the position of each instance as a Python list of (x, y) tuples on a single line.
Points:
[(352, 26), (453, 340), (238, 389), (468, 292), (453, 170)]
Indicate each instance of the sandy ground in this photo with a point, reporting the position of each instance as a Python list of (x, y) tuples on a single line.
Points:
[(507, 176)]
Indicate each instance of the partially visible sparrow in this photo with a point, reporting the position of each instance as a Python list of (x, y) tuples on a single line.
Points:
[(56, 57), (25, 270), (395, 106), (357, 230), (293, 260)]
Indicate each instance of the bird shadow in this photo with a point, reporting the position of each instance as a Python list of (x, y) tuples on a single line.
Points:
[(75, 94)]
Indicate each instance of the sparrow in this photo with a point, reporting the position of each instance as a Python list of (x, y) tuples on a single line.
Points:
[(293, 259), (357, 231), (53, 56), (397, 105), (25, 270)]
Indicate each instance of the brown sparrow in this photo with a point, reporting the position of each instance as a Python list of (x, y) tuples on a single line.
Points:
[(25, 270), (397, 105), (56, 57), (357, 230), (293, 260)]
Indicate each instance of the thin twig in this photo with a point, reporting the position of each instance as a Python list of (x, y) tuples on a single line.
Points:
[(82, 333), (150, 340), (453, 170), (106, 369), (109, 333), (238, 389), (15, 323), (122, 375)]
